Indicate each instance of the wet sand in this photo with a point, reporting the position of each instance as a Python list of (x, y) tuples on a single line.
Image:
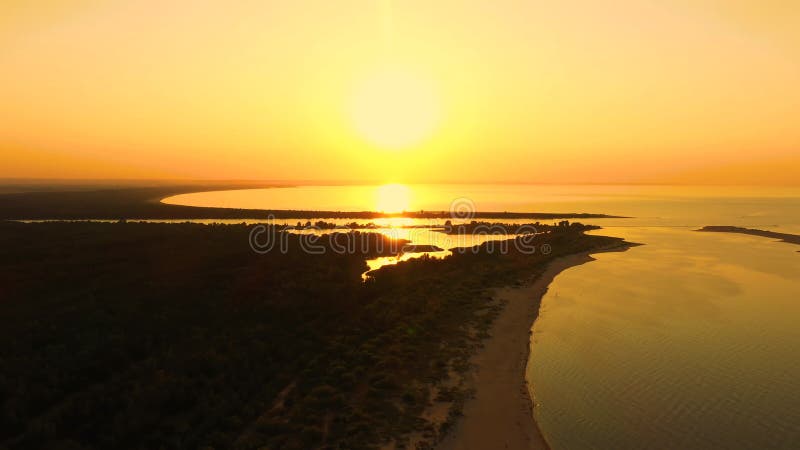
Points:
[(500, 416)]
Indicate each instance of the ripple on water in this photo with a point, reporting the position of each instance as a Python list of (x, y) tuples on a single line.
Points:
[(686, 342)]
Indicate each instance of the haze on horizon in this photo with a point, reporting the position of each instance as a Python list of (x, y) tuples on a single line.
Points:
[(403, 91)]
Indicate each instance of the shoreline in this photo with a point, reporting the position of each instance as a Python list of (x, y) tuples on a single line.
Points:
[(782, 237), (147, 203), (502, 405)]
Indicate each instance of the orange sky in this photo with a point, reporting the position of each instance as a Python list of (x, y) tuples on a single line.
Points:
[(526, 91)]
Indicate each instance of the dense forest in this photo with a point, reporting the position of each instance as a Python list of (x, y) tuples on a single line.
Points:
[(179, 336)]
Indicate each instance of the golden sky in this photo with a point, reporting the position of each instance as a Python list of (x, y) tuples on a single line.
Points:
[(689, 91)]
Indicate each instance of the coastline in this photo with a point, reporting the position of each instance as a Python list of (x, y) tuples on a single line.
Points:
[(782, 237), (502, 405), (147, 201)]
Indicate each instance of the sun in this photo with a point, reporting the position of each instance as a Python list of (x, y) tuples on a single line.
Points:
[(395, 109), (392, 198)]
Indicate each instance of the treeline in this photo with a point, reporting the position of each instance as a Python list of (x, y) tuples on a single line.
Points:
[(486, 228), (145, 203), (142, 336)]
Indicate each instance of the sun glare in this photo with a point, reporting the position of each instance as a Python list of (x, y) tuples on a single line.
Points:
[(394, 109), (392, 198)]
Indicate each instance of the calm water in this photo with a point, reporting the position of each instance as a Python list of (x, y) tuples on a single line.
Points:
[(689, 341), (648, 205), (421, 236)]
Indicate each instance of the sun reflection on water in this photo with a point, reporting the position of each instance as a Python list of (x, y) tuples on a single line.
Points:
[(392, 198)]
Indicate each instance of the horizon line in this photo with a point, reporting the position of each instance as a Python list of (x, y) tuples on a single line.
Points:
[(323, 182)]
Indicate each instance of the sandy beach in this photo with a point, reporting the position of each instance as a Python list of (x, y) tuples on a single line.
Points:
[(500, 416)]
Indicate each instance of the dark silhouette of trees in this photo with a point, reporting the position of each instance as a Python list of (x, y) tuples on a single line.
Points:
[(132, 335)]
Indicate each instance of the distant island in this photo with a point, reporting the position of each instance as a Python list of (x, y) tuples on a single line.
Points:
[(477, 228), (784, 237), (421, 248), (144, 202)]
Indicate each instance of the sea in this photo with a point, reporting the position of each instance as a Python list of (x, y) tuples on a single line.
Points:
[(688, 341)]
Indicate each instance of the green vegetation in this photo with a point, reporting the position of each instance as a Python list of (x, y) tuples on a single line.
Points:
[(135, 335)]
